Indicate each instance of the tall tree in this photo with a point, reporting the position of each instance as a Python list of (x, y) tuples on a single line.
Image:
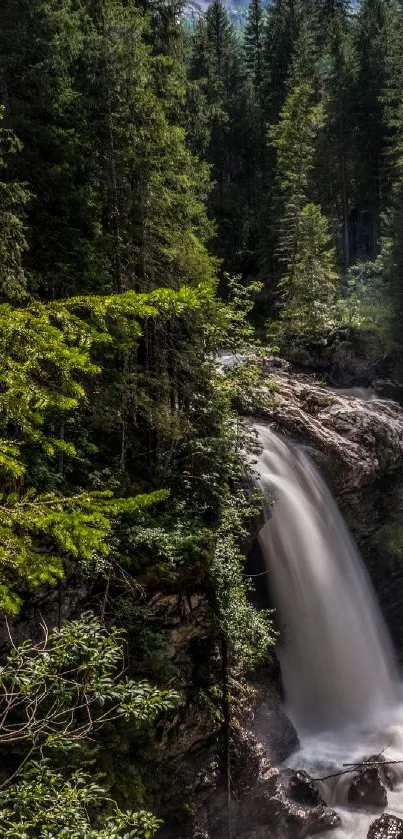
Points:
[(233, 150), (310, 282), (13, 244), (253, 44), (371, 45), (40, 44), (280, 35), (336, 154), (392, 239), (305, 260), (118, 197), (294, 139)]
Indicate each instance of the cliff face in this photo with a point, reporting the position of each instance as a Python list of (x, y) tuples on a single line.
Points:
[(355, 436)]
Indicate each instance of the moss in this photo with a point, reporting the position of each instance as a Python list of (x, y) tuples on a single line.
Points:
[(388, 542)]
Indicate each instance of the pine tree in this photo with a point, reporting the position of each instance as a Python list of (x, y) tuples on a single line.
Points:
[(392, 238), (233, 150), (371, 39), (118, 198), (305, 257), (39, 45), (279, 38), (336, 153), (13, 244), (309, 284), (294, 139), (253, 45)]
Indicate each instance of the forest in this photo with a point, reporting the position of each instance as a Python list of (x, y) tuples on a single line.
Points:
[(186, 209)]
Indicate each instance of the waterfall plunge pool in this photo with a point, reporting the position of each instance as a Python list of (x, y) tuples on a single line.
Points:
[(325, 753)]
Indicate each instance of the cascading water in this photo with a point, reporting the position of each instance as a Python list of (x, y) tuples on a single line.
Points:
[(336, 657), (338, 667)]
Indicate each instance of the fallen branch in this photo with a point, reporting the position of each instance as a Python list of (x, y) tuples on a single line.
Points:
[(355, 766)]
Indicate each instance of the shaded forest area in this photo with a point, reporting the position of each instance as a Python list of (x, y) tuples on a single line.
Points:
[(165, 194)]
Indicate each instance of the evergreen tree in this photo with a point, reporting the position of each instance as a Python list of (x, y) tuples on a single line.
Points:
[(294, 139), (309, 284), (305, 258), (13, 200), (39, 45), (153, 189), (233, 150), (336, 153), (253, 45), (118, 196), (371, 44), (279, 38), (392, 239)]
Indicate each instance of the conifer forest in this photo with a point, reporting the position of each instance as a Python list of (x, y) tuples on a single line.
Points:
[(201, 257)]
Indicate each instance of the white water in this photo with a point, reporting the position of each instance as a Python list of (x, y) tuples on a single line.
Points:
[(338, 668), (324, 753)]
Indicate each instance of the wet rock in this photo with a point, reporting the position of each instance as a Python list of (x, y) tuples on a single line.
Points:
[(356, 443), (387, 389), (386, 827), (355, 436), (367, 788), (246, 757), (387, 772), (272, 727), (274, 364), (303, 790), (267, 811)]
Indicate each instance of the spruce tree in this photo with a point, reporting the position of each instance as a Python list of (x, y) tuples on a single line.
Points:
[(294, 139), (392, 238), (279, 38), (253, 45), (40, 43), (336, 151), (304, 254), (371, 44), (118, 198), (309, 284), (233, 150), (13, 244)]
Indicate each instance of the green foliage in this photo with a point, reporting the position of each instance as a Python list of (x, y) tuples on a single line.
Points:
[(253, 43), (45, 353), (249, 633), (13, 198), (294, 139), (279, 37), (365, 304), (310, 279), (48, 374), (97, 129), (134, 143), (45, 803), (54, 695), (249, 385), (388, 544), (41, 535), (307, 259), (233, 150), (58, 692)]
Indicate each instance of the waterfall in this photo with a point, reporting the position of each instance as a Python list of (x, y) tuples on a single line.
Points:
[(335, 654)]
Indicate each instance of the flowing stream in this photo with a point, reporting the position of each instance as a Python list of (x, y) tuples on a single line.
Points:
[(338, 668)]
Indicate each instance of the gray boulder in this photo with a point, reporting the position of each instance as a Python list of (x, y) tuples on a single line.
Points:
[(386, 827), (303, 790), (367, 788)]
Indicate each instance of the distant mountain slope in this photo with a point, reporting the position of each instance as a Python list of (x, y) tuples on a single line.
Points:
[(237, 10)]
